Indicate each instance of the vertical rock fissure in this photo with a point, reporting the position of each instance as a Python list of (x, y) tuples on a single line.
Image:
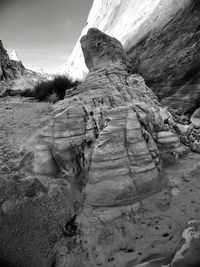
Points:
[(127, 153)]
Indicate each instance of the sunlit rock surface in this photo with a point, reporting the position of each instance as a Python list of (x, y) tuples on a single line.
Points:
[(128, 21), (162, 41), (13, 55)]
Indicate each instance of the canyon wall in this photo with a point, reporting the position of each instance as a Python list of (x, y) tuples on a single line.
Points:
[(128, 21), (15, 79), (169, 60), (9, 69)]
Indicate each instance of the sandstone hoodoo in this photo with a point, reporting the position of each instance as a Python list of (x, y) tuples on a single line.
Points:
[(107, 174), (113, 141), (108, 130)]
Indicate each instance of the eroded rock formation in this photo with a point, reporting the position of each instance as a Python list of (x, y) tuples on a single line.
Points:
[(109, 130), (110, 138), (109, 185), (162, 40)]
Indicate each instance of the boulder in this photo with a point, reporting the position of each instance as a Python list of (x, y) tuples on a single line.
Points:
[(188, 255), (183, 130), (195, 118)]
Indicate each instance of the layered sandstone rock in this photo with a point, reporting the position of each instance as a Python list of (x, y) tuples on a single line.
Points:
[(109, 137), (106, 131), (162, 40)]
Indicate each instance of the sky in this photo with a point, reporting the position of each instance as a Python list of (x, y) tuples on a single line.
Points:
[(43, 32)]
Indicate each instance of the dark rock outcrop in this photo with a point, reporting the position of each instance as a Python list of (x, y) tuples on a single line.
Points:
[(9, 69), (15, 79), (169, 60)]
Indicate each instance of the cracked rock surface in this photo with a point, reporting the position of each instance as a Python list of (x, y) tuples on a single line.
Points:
[(113, 141), (107, 132)]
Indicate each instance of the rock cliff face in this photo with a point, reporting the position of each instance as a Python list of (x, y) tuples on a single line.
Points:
[(15, 79), (128, 21), (168, 59), (9, 69)]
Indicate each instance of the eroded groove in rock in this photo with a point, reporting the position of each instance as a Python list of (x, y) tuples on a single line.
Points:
[(107, 132)]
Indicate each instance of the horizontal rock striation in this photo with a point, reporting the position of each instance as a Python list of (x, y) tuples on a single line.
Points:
[(112, 140), (105, 133)]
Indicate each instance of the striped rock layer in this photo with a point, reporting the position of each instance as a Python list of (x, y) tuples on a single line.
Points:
[(105, 132)]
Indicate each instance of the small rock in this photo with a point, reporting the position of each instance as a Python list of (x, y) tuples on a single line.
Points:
[(184, 130), (195, 119), (63, 251)]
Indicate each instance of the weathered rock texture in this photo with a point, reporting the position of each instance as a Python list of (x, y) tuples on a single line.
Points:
[(128, 21), (111, 138), (15, 79), (162, 40), (168, 59), (9, 69), (108, 130)]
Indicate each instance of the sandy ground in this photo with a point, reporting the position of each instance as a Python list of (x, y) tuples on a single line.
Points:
[(153, 234), (20, 120)]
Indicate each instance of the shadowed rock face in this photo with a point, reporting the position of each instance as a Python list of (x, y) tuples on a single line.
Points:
[(9, 69), (105, 133), (15, 79), (169, 60)]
